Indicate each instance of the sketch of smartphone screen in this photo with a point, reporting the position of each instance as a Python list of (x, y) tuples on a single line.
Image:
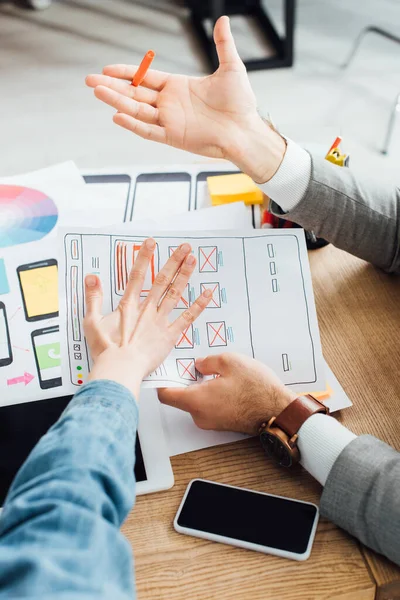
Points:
[(6, 356), (202, 196), (117, 188), (39, 289), (159, 195), (46, 346)]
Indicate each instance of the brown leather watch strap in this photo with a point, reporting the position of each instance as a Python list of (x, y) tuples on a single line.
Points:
[(297, 412)]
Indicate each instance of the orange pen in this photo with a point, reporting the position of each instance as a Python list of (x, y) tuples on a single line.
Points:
[(143, 68)]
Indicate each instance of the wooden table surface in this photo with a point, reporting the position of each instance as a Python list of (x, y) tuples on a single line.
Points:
[(358, 316)]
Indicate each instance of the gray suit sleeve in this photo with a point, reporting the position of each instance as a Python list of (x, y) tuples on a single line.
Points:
[(362, 495), (355, 214)]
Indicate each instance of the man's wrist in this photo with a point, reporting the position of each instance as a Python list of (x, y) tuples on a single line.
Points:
[(271, 405), (284, 398), (259, 151)]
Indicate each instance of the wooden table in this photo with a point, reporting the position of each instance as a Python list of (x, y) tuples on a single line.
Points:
[(358, 310)]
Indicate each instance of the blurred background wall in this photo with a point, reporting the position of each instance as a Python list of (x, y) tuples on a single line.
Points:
[(47, 114)]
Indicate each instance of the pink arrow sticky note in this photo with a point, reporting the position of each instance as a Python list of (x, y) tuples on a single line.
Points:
[(25, 378)]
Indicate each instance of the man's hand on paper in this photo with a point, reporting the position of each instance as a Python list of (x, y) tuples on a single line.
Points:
[(132, 341), (243, 395), (213, 116)]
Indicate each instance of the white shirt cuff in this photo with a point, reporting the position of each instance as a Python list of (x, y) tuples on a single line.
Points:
[(321, 440), (289, 184)]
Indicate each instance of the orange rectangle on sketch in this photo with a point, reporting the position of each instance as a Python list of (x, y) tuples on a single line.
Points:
[(118, 266)]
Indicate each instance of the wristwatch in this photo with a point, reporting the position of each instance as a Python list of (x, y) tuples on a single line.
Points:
[(279, 436)]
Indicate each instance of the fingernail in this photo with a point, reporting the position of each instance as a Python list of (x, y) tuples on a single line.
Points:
[(199, 362), (190, 260), (185, 248), (207, 293), (150, 244), (91, 280)]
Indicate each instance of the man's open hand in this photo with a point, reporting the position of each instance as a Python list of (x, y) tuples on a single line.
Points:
[(243, 395), (214, 116)]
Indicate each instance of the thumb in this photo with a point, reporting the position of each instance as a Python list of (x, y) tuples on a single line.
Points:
[(93, 296), (228, 55), (182, 398)]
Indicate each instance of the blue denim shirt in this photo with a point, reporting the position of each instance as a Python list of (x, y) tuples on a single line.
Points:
[(59, 530)]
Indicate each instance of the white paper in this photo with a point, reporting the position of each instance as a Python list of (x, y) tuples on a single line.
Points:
[(338, 399), (73, 202), (262, 302), (233, 216), (64, 189), (158, 192), (183, 435)]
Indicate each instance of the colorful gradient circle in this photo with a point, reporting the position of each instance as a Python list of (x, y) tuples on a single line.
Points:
[(26, 215)]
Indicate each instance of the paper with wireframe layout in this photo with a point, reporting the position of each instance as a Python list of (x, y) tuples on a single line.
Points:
[(262, 303)]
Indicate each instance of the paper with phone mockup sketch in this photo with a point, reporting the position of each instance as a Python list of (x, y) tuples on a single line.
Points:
[(262, 301), (33, 205), (30, 360)]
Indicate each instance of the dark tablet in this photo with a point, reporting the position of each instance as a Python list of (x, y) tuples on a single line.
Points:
[(22, 426)]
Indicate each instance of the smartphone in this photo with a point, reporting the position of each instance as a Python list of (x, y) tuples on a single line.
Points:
[(120, 187), (248, 519), (39, 289), (6, 355), (46, 346), (159, 195)]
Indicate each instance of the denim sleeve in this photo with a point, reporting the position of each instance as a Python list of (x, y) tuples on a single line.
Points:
[(59, 530)]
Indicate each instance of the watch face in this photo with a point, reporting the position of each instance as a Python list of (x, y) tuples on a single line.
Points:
[(276, 449)]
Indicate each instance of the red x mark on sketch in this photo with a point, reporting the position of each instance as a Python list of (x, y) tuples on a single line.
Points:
[(217, 334), (184, 302), (186, 369), (186, 339), (208, 258)]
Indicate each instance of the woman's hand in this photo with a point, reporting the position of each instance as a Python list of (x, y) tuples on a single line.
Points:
[(133, 341), (213, 116), (243, 395)]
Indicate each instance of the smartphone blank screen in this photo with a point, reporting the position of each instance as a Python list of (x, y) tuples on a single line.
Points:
[(4, 348), (233, 513), (160, 195), (40, 289)]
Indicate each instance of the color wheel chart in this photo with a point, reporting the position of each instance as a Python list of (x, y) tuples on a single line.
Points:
[(26, 215)]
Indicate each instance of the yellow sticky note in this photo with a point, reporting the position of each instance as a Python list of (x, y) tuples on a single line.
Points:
[(238, 187)]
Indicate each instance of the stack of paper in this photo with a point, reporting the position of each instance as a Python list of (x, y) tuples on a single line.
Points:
[(254, 278)]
